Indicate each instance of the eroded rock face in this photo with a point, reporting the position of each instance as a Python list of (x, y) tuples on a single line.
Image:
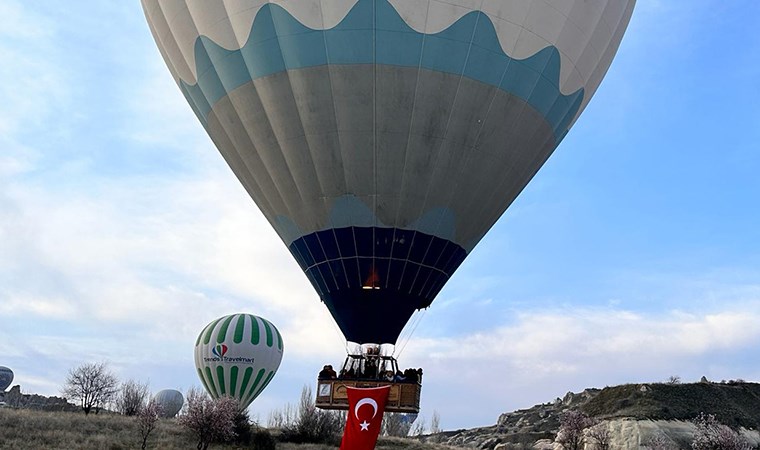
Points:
[(15, 399), (626, 434)]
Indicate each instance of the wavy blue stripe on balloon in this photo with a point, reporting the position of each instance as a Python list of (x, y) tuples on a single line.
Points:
[(469, 47)]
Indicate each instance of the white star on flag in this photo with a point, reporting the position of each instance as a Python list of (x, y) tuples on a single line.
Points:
[(364, 425)]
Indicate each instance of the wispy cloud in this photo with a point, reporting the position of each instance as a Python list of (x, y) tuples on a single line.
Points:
[(546, 352)]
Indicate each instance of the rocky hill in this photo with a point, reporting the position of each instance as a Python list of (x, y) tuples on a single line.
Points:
[(633, 412), (15, 399)]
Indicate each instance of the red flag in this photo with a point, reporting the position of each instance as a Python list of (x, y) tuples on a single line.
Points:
[(365, 416)]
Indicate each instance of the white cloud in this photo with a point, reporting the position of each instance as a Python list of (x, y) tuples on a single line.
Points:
[(545, 353)]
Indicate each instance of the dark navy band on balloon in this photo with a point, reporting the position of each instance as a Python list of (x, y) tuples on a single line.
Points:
[(373, 32), (380, 273)]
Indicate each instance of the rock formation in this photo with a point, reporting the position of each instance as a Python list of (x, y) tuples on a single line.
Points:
[(15, 399), (633, 414)]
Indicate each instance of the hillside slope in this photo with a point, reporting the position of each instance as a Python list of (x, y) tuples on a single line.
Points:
[(735, 404), (634, 411)]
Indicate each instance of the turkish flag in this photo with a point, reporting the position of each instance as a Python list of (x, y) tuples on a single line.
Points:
[(365, 417)]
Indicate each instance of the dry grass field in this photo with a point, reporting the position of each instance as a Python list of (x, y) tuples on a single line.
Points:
[(36, 430)]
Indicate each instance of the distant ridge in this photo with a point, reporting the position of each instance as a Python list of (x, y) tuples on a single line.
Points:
[(659, 407), (734, 403)]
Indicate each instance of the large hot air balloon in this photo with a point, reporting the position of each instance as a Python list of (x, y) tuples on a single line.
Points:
[(170, 401), (383, 138), (237, 356), (6, 378)]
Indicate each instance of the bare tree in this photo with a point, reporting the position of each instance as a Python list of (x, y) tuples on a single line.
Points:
[(435, 423), (92, 385), (132, 397), (600, 435), (713, 435), (210, 420), (311, 424), (674, 379), (570, 435), (147, 419), (418, 429)]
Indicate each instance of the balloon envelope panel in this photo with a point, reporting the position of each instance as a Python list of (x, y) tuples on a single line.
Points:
[(237, 356), (383, 138), (170, 401), (6, 378)]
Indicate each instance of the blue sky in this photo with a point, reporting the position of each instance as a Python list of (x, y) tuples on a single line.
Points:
[(633, 255)]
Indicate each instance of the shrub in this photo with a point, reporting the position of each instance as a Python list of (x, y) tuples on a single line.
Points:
[(131, 397), (660, 442), (262, 439), (147, 419), (713, 435), (242, 428), (210, 420), (570, 435), (312, 425)]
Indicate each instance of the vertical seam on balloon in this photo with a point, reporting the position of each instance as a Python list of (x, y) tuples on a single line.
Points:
[(244, 386), (214, 393), (279, 338), (300, 189), (265, 383), (509, 182), (222, 335), (268, 330), (255, 332), (374, 130), (239, 329), (251, 180), (210, 331), (233, 380), (251, 394), (220, 376), (203, 379), (342, 170), (476, 141), (259, 155), (235, 158), (406, 154), (448, 123)]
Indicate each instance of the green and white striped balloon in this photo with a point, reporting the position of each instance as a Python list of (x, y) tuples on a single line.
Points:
[(237, 356)]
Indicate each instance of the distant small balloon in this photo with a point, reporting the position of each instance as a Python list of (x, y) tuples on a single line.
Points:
[(237, 356), (6, 378), (170, 401)]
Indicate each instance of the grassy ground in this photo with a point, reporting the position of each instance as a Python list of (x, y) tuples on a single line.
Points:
[(25, 429)]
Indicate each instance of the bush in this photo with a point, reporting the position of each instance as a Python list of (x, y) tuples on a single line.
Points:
[(242, 429), (262, 439), (147, 419), (660, 442), (131, 397), (312, 425), (209, 420), (571, 431), (713, 435)]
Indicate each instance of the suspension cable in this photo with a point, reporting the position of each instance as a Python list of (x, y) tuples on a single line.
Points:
[(409, 337)]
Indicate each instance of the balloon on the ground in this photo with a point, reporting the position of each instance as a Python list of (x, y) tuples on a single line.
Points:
[(383, 138), (170, 401), (237, 356), (6, 378)]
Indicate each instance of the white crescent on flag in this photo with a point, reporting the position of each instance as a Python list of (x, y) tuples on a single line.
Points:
[(362, 402)]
